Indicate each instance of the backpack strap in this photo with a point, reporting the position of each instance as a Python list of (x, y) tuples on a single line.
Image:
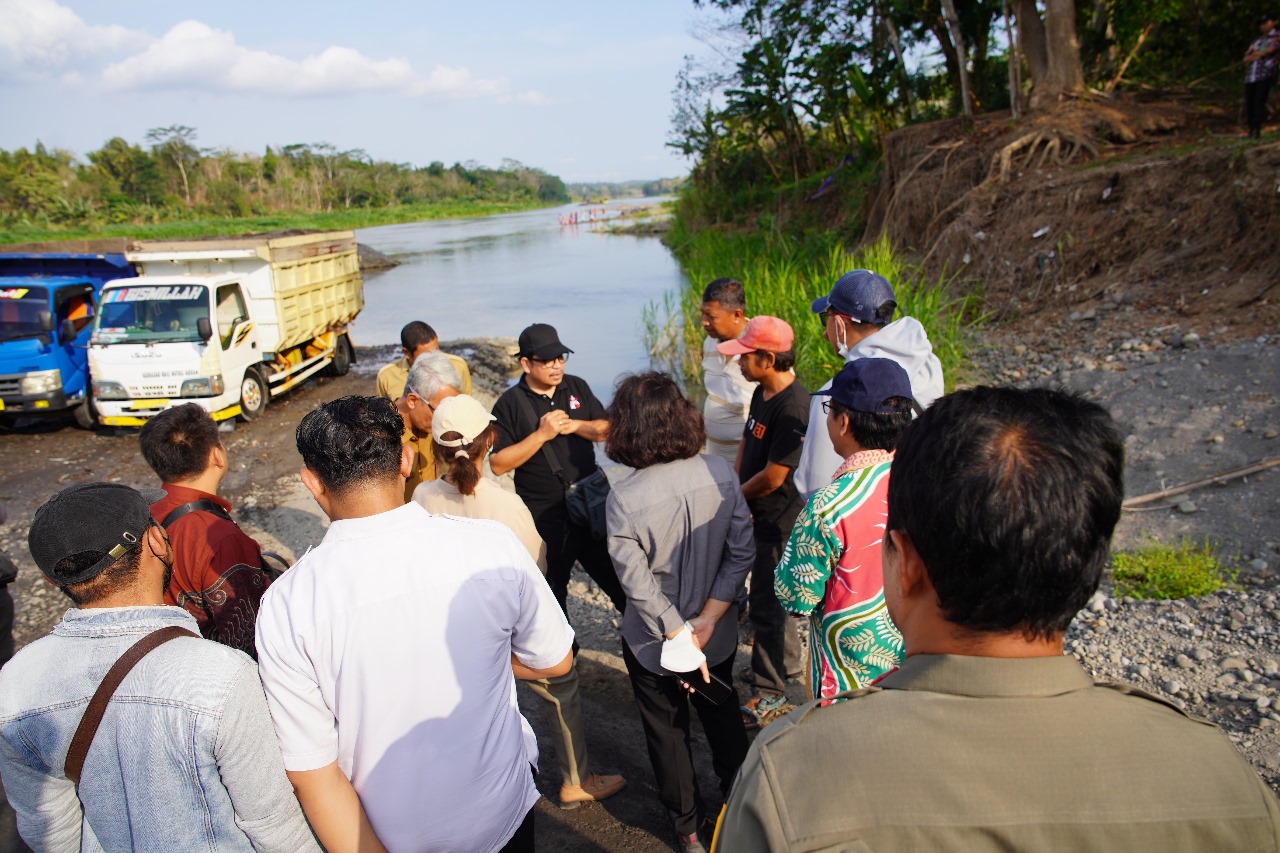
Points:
[(557, 469), (203, 504), (83, 738)]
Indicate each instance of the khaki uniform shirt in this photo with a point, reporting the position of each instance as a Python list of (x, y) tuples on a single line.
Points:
[(424, 462), (954, 753), (392, 377)]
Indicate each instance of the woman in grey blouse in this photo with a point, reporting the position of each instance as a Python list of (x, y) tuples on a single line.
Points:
[(680, 539)]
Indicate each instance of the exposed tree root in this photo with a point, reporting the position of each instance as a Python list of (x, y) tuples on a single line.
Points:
[(1054, 146)]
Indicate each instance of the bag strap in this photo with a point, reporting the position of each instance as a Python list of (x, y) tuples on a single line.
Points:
[(203, 504), (83, 738)]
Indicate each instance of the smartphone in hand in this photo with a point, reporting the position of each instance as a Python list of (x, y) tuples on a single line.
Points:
[(714, 691)]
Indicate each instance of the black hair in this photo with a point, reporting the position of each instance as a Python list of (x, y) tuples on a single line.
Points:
[(114, 577), (464, 471), (177, 441), (415, 334), (351, 441), (1010, 497), (651, 422), (729, 292), (782, 361), (877, 430)]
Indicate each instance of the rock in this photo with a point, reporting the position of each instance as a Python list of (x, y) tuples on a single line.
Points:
[(1170, 686), (1187, 507), (371, 259), (1184, 662), (1230, 663), (1262, 704), (1190, 339), (1271, 433), (1202, 654), (1258, 565)]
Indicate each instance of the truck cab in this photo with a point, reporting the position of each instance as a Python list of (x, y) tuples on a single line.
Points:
[(47, 307), (175, 339)]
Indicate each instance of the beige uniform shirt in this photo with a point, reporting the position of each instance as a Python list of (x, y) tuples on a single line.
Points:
[(392, 377), (490, 501), (975, 754), (728, 398)]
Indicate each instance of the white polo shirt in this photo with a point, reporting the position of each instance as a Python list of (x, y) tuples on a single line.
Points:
[(388, 649)]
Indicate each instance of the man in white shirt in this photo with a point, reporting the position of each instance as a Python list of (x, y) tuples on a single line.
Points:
[(387, 653), (724, 307), (856, 315)]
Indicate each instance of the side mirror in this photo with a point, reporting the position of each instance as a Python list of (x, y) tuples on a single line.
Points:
[(67, 331), (204, 329), (46, 321)]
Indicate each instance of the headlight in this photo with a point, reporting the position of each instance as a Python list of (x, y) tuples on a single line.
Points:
[(40, 382), (109, 390), (205, 386)]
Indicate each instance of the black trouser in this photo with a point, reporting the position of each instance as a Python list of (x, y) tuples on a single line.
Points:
[(775, 654), (664, 711), (567, 543), (6, 624), (1255, 104)]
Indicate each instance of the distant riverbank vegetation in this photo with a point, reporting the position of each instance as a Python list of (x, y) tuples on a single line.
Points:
[(171, 187), (600, 190)]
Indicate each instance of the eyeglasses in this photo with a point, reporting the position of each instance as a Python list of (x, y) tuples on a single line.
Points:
[(560, 358), (826, 407)]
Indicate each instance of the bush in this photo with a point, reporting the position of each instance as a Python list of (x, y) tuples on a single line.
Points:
[(1159, 571)]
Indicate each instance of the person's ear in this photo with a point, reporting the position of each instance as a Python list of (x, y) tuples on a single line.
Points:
[(842, 420), (313, 484), (156, 539), (217, 457), (524, 364), (407, 454), (909, 571)]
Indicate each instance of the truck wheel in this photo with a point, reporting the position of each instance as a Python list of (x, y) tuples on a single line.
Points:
[(253, 395), (86, 414), (341, 358)]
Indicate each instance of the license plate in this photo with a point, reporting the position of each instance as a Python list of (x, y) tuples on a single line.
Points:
[(149, 404)]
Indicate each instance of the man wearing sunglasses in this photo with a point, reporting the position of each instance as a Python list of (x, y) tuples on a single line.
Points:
[(856, 317), (547, 425)]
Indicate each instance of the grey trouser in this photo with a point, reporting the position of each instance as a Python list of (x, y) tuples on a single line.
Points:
[(776, 652), (562, 706)]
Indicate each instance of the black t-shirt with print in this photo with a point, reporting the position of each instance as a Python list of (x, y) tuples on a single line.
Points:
[(535, 482), (775, 433)]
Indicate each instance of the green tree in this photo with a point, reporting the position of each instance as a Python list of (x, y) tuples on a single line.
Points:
[(174, 145)]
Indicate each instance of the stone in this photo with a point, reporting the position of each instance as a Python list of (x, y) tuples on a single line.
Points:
[(1202, 654), (1188, 507), (1184, 662), (1258, 565), (1230, 663), (1262, 704)]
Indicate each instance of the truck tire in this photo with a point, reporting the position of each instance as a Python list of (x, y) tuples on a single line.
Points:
[(253, 395), (341, 357), (86, 414)]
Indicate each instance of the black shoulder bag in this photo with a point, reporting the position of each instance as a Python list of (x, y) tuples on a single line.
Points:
[(206, 505), (584, 499)]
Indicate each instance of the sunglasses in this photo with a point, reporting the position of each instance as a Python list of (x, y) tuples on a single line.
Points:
[(560, 358)]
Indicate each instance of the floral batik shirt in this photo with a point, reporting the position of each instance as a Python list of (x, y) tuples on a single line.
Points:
[(830, 571)]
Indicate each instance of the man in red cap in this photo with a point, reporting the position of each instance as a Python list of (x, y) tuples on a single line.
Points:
[(770, 451)]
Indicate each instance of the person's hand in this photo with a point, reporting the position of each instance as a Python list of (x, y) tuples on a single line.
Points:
[(569, 426), (552, 424), (703, 627), (699, 642)]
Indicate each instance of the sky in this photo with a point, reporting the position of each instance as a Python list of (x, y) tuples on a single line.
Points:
[(580, 89)]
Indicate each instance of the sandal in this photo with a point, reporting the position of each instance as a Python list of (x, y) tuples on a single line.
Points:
[(760, 711)]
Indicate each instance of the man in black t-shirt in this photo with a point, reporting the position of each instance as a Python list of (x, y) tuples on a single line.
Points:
[(767, 457), (549, 413)]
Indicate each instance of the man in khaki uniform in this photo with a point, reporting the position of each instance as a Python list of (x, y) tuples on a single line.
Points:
[(417, 338), (1001, 508)]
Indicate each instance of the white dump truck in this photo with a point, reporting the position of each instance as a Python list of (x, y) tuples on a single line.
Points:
[(227, 323)]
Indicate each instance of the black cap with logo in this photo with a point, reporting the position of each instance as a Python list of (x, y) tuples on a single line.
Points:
[(104, 518)]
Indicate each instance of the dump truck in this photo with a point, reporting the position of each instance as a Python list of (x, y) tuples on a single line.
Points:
[(226, 323), (48, 300)]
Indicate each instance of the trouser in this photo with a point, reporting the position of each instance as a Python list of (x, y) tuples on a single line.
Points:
[(1255, 104), (568, 543), (562, 706), (775, 653), (664, 712)]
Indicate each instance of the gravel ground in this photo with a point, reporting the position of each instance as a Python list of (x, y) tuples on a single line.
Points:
[(1190, 406)]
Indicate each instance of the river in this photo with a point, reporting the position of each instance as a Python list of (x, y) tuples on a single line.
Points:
[(494, 275)]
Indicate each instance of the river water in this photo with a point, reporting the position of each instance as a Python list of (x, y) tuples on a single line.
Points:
[(494, 275)]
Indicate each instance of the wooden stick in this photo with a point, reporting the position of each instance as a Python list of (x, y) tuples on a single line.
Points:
[(1244, 471)]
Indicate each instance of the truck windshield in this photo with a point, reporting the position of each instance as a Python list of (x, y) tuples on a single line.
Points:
[(151, 313), (20, 309)]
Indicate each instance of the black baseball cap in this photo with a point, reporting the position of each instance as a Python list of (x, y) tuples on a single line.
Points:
[(541, 341), (109, 519), (865, 384)]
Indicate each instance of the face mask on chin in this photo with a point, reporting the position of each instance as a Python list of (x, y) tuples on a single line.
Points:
[(842, 342)]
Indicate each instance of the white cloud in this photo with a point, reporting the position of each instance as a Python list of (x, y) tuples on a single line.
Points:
[(41, 36)]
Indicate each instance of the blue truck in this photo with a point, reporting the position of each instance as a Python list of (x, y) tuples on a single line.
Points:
[(48, 300)]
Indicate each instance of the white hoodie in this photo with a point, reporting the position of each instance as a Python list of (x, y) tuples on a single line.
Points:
[(903, 341)]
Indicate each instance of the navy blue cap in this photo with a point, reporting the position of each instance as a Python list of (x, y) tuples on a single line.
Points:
[(864, 384), (859, 295)]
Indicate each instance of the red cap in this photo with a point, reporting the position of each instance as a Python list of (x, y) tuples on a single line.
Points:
[(767, 333)]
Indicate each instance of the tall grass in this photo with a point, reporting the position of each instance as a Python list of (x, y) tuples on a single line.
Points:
[(782, 277)]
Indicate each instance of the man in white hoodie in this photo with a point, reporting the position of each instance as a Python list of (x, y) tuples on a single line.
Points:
[(856, 315)]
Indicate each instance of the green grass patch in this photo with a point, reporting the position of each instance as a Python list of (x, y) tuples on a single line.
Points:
[(1160, 571), (783, 275), (25, 231)]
